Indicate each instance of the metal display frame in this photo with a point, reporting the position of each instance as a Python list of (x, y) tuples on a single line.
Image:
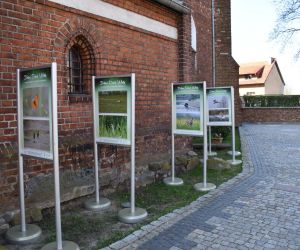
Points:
[(34, 80), (232, 152), (24, 233), (211, 124), (111, 84), (221, 123), (175, 181), (130, 214)]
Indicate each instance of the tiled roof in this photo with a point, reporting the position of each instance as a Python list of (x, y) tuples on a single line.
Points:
[(251, 68), (258, 70)]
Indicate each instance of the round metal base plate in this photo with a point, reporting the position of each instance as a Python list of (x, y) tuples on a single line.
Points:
[(201, 187), (15, 235), (125, 204), (175, 182), (94, 206), (126, 216), (235, 163), (237, 153), (212, 153), (66, 245)]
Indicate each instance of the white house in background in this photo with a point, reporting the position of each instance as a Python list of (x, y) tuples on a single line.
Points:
[(261, 78)]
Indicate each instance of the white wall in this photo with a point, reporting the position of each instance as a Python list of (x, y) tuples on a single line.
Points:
[(256, 90), (274, 85), (103, 9)]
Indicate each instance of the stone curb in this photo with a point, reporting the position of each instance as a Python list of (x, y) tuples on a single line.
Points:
[(149, 231)]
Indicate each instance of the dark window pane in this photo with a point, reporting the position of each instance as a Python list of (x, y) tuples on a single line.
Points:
[(75, 71)]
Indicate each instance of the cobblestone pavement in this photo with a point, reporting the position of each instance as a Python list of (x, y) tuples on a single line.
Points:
[(259, 209)]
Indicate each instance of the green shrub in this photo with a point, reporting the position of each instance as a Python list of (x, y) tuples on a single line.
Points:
[(224, 131), (272, 101)]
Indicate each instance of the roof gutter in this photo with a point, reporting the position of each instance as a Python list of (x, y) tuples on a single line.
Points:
[(175, 6)]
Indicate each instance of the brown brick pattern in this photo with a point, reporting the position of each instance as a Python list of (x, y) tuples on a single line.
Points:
[(227, 70), (38, 32), (254, 115)]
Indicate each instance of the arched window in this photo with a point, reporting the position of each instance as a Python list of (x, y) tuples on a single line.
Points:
[(75, 71), (80, 65)]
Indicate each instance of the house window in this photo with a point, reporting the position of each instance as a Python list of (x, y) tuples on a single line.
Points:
[(81, 65), (250, 93), (75, 71)]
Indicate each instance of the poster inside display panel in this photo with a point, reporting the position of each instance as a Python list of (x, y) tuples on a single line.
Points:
[(188, 108), (113, 109), (219, 106), (36, 114)]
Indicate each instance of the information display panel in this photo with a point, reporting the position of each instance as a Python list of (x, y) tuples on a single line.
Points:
[(188, 108), (219, 103), (35, 111), (113, 100)]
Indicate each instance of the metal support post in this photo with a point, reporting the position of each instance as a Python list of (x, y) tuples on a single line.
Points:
[(133, 214), (98, 203), (233, 152), (173, 181), (204, 186), (210, 153), (59, 244)]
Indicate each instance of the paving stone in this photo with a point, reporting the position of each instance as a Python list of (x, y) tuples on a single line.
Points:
[(258, 209)]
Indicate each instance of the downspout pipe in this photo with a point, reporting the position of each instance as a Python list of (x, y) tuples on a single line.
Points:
[(175, 5), (213, 42)]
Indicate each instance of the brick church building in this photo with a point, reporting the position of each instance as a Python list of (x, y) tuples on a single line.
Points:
[(161, 41)]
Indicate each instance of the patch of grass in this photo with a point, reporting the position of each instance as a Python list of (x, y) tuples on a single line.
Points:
[(97, 230), (187, 123), (160, 199), (114, 237), (113, 126), (77, 227)]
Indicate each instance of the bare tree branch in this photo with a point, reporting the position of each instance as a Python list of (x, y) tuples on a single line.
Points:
[(287, 24)]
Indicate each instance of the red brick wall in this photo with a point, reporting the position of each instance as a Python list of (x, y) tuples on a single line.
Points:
[(227, 70), (253, 115), (202, 17), (196, 66), (34, 34)]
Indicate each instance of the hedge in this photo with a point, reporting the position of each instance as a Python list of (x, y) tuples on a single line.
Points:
[(271, 101)]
